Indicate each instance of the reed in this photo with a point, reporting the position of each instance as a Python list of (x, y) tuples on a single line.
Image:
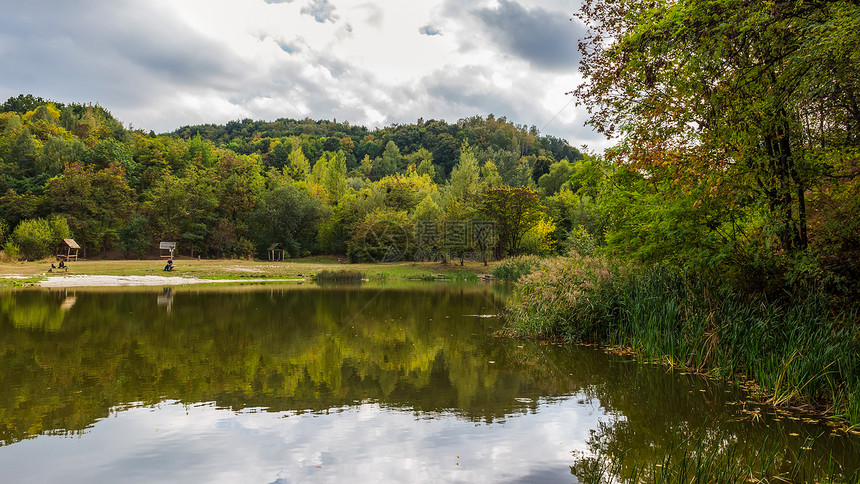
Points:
[(795, 349), (513, 268), (339, 276)]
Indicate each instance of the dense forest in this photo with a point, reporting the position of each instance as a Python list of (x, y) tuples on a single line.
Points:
[(738, 154), (234, 190)]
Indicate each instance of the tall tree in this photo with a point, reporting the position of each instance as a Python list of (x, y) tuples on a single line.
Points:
[(288, 216), (754, 103), (515, 211), (95, 202), (389, 163), (334, 179)]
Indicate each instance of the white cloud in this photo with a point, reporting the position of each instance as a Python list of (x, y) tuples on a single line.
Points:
[(162, 64)]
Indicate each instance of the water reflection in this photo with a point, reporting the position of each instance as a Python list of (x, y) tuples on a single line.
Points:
[(165, 299), (406, 379)]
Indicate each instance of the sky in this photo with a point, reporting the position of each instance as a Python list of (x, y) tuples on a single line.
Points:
[(162, 64)]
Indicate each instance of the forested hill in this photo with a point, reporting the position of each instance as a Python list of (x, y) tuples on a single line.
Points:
[(497, 136), (73, 170)]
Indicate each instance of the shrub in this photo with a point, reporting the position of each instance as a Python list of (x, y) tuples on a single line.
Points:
[(36, 238), (11, 251)]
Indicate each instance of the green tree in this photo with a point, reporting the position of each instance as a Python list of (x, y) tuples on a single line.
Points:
[(95, 202), (288, 216), (238, 184), (132, 237), (464, 184), (174, 204), (37, 238), (319, 169), (335, 176), (515, 211), (738, 109), (299, 167), (389, 163), (558, 175)]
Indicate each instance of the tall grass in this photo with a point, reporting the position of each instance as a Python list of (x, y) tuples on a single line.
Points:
[(795, 349), (339, 276), (513, 268)]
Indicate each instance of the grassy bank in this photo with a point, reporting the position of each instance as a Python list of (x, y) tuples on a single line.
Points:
[(796, 351), (244, 269)]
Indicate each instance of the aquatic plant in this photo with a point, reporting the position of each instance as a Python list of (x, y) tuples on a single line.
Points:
[(797, 350), (339, 276)]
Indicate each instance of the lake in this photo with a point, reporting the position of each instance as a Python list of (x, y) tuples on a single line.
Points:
[(376, 383)]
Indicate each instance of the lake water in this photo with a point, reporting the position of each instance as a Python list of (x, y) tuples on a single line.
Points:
[(302, 383)]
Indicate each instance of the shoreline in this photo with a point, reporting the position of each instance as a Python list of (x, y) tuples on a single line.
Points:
[(120, 281), (210, 271)]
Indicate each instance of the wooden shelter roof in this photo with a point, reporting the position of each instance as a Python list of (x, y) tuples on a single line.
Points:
[(71, 243)]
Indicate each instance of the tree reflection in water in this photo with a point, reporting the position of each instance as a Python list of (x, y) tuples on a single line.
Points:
[(64, 366)]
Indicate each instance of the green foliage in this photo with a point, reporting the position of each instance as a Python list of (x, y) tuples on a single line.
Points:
[(558, 176), (538, 239), (96, 202), (299, 167), (133, 240), (11, 250), (464, 183), (22, 103), (739, 120), (288, 216), (334, 179), (405, 192), (423, 160), (580, 242), (796, 349), (36, 239), (513, 268), (389, 163), (711, 457), (515, 211), (174, 204), (383, 235)]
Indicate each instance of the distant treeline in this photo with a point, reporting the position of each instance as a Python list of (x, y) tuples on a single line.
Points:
[(273, 140), (234, 190)]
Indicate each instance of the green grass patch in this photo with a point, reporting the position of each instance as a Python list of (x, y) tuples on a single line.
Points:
[(19, 282)]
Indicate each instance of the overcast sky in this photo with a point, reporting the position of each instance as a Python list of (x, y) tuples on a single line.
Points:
[(162, 64)]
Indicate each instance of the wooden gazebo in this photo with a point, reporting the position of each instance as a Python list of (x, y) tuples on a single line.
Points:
[(276, 252), (68, 250), (169, 247)]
